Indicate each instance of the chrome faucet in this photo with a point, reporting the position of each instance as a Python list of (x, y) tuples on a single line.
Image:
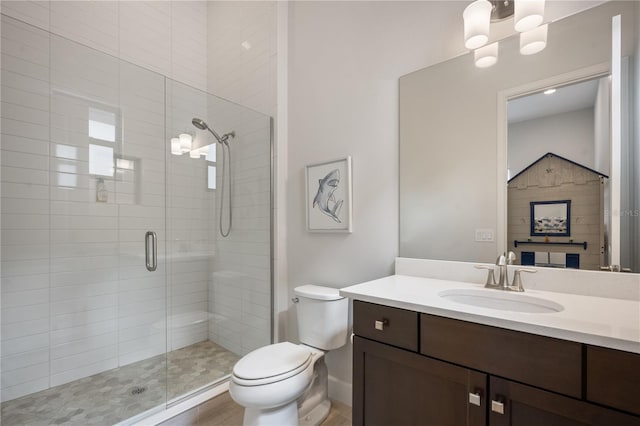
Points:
[(503, 278)]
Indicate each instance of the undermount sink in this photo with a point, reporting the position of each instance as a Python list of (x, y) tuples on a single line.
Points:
[(501, 300)]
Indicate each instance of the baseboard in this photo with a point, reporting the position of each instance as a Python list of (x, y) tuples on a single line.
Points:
[(340, 391)]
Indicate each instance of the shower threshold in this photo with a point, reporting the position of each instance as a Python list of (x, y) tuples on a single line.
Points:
[(119, 394)]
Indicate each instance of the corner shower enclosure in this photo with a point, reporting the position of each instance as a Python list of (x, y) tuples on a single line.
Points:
[(89, 334)]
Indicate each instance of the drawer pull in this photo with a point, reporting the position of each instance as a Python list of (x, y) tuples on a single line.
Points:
[(379, 325), (474, 398), (497, 407)]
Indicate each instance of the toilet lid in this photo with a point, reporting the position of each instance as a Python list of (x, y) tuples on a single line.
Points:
[(272, 360)]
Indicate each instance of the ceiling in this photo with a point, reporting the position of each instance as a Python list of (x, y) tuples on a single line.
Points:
[(568, 98)]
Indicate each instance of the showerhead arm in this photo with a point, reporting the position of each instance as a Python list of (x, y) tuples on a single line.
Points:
[(200, 124)]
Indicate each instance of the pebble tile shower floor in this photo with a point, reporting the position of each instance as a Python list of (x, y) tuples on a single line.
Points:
[(116, 395)]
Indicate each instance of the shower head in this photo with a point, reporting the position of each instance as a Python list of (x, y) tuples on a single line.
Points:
[(200, 124)]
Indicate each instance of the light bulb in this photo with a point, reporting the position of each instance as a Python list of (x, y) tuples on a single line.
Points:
[(477, 19), (185, 142), (175, 146), (486, 56), (534, 41), (528, 14)]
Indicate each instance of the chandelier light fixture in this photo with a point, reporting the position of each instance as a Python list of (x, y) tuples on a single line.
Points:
[(477, 19), (534, 41), (486, 56), (528, 16), (184, 143)]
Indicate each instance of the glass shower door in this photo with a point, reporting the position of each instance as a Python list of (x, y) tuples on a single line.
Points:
[(107, 191), (101, 314), (218, 237)]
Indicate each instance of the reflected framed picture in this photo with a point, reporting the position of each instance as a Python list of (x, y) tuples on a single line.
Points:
[(552, 218), (328, 196)]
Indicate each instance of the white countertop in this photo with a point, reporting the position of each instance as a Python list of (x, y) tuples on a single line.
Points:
[(612, 323)]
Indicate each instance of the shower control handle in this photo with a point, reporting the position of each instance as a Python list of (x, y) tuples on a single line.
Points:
[(151, 250)]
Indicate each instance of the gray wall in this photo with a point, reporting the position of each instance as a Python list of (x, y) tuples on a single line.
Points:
[(569, 135)]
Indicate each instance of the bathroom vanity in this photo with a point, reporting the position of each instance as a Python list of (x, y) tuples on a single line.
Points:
[(419, 358)]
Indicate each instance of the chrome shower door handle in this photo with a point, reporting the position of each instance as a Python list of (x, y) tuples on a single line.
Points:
[(151, 250)]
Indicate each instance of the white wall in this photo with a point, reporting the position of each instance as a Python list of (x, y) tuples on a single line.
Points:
[(166, 37), (344, 62), (531, 139), (242, 53)]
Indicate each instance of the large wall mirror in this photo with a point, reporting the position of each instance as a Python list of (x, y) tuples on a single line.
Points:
[(480, 147)]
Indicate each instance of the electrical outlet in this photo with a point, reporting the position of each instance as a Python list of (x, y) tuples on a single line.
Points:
[(484, 235)]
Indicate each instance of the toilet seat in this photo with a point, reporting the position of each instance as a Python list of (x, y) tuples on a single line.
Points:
[(271, 364)]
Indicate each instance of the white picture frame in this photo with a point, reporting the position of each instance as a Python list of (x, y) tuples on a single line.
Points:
[(329, 196)]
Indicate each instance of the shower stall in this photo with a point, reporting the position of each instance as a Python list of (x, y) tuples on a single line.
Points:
[(120, 294)]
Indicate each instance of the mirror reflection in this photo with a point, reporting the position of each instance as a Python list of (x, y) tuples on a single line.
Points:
[(463, 143), (557, 169)]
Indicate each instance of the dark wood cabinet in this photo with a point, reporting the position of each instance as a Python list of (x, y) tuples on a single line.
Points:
[(399, 387), (411, 368), (548, 363), (613, 378), (528, 406)]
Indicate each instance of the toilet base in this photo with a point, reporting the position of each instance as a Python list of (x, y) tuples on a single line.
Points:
[(314, 404), (317, 415), (279, 416)]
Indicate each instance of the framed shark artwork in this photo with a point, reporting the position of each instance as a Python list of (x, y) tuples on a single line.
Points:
[(329, 196)]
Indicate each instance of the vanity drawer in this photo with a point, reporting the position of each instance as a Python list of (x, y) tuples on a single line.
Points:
[(613, 378), (544, 362), (397, 327)]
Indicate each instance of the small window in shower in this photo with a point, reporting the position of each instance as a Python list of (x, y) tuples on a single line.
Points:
[(211, 177), (100, 160), (102, 124)]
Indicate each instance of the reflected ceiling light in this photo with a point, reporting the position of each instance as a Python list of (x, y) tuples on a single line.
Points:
[(175, 146), (185, 142), (549, 91), (477, 18), (200, 152), (534, 41), (486, 56), (528, 14)]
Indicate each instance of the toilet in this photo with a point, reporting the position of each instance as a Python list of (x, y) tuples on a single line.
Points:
[(286, 384)]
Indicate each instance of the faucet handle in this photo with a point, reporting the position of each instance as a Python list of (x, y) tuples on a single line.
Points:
[(491, 280), (511, 257), (517, 280)]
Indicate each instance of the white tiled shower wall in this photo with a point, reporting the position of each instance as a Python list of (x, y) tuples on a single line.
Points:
[(66, 317), (168, 37), (242, 42)]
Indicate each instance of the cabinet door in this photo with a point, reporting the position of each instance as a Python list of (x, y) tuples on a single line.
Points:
[(527, 406), (392, 386)]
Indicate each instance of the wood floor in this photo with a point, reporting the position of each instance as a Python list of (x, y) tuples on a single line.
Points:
[(222, 411)]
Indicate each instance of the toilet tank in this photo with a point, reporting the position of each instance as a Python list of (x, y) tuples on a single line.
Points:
[(323, 316)]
